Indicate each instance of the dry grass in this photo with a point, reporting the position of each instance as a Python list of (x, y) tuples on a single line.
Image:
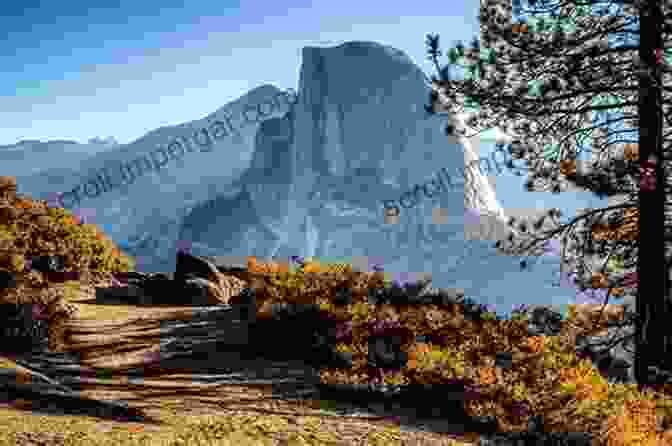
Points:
[(231, 428)]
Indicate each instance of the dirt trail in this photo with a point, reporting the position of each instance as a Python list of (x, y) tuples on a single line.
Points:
[(186, 361)]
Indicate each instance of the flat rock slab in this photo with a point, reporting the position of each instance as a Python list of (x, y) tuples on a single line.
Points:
[(202, 363), (48, 398), (94, 314), (223, 383)]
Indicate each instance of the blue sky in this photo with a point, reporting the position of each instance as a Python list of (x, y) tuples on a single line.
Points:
[(72, 70), (77, 70)]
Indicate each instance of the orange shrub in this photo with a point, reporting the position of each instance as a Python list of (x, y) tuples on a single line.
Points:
[(487, 375), (282, 267), (312, 267), (536, 343), (251, 263)]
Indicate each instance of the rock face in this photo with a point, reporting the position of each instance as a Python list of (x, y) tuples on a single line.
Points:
[(320, 175), (203, 277), (196, 281)]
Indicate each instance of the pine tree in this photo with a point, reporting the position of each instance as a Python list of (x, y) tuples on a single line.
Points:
[(577, 73)]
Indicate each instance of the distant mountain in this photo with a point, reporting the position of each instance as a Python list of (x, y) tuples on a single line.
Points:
[(31, 156), (155, 201), (110, 141), (309, 178)]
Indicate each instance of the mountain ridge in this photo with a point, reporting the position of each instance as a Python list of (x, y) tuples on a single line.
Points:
[(308, 178)]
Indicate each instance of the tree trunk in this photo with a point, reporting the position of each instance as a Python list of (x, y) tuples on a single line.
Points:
[(654, 333)]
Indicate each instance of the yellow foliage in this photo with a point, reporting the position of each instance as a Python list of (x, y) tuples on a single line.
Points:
[(35, 229), (519, 392), (634, 425)]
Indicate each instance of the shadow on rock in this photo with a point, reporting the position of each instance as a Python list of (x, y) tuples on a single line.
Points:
[(40, 398), (439, 408)]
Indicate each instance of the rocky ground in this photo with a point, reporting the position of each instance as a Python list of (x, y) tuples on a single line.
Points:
[(200, 346), (127, 323)]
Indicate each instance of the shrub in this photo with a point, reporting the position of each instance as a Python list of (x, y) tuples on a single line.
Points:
[(31, 228)]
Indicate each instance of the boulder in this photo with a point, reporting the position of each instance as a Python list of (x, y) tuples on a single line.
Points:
[(131, 277), (196, 281), (131, 294), (203, 280), (135, 278), (228, 265), (159, 288), (139, 289), (188, 264), (205, 292)]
